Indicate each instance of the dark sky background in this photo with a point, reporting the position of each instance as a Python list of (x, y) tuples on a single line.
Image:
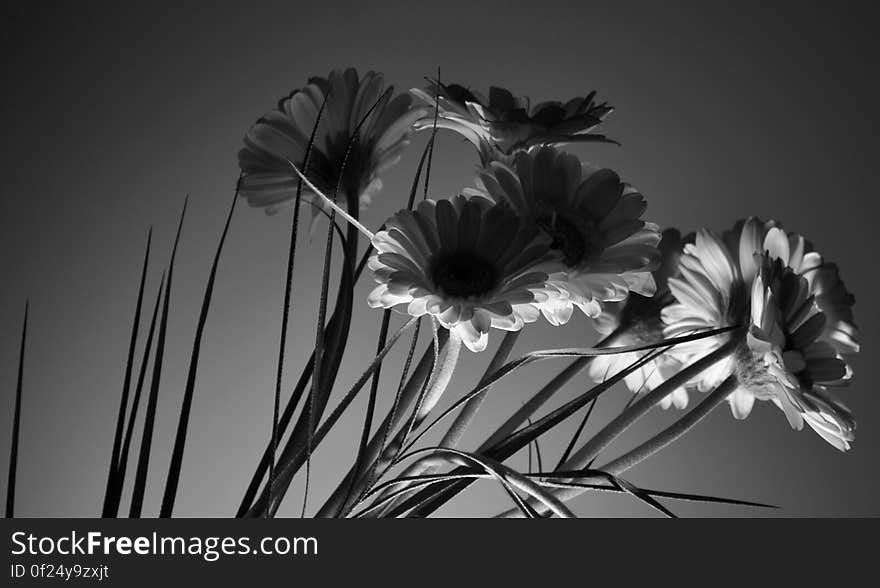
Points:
[(112, 113)]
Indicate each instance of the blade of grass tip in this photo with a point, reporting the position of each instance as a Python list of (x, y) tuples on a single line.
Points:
[(140, 481), (122, 465), (173, 480), (538, 453), (16, 420), (433, 135), (126, 386), (288, 287), (530, 469)]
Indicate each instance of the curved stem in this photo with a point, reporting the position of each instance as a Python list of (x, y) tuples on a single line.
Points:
[(469, 411), (673, 432)]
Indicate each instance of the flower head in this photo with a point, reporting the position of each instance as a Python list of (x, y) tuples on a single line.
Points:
[(636, 321), (362, 127), (799, 318), (504, 123), (468, 262), (593, 221)]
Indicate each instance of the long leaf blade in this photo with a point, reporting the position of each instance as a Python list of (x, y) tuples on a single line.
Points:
[(174, 468), (288, 296), (122, 467), (126, 388), (140, 484), (16, 420)]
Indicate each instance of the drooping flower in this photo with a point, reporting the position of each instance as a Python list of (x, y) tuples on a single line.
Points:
[(593, 221), (466, 261), (799, 318), (361, 126), (504, 123), (636, 321)]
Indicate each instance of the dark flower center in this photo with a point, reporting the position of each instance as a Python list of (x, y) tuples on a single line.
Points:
[(567, 238), (463, 275)]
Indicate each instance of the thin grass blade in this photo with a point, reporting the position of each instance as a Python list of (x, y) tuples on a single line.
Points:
[(140, 484), (173, 480), (16, 420), (288, 293), (126, 387), (135, 406)]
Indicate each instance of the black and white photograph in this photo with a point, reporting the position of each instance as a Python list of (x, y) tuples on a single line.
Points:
[(457, 260)]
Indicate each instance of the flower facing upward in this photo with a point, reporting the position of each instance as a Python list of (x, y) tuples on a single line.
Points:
[(593, 221), (468, 262), (637, 322), (282, 136), (799, 318), (504, 123)]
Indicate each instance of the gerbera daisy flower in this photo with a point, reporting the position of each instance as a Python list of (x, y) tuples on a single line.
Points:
[(282, 136), (504, 123), (637, 322), (593, 221), (799, 318), (466, 261)]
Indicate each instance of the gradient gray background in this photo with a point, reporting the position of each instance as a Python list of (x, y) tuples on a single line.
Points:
[(111, 114)]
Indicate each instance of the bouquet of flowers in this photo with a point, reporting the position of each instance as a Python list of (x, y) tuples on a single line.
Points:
[(686, 320)]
